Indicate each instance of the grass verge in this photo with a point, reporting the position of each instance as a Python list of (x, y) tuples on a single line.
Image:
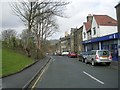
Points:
[(13, 62)]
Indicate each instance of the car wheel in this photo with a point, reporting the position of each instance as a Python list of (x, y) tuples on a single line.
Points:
[(82, 60), (108, 64), (93, 63), (79, 58), (86, 61)]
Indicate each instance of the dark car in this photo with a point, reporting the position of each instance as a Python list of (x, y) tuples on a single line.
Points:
[(72, 54), (82, 56)]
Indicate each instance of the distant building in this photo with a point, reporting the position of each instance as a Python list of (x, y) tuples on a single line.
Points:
[(72, 40), (65, 43), (66, 33), (80, 46), (58, 47), (68, 45), (78, 40), (101, 33), (62, 44)]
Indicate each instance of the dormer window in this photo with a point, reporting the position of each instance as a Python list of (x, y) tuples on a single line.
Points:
[(94, 31)]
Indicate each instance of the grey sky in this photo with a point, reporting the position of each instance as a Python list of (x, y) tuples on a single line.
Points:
[(77, 11)]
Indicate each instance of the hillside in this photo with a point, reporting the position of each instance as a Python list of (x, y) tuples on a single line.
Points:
[(13, 62), (54, 41)]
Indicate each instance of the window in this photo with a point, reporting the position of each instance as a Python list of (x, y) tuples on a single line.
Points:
[(90, 32), (94, 31), (84, 35), (103, 53)]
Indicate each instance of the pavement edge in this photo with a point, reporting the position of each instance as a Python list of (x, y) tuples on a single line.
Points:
[(27, 86)]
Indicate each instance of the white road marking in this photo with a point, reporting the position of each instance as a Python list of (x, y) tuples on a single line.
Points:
[(93, 77), (53, 59)]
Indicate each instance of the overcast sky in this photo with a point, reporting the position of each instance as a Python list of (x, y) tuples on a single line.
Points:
[(76, 12)]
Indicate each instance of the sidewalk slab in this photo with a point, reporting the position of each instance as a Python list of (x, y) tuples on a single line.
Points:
[(20, 79)]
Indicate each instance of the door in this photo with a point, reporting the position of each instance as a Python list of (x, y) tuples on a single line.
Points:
[(105, 47), (114, 50)]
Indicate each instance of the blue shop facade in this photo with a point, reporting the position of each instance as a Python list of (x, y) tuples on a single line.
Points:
[(108, 42)]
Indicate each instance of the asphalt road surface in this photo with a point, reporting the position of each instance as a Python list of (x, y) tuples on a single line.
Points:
[(65, 72)]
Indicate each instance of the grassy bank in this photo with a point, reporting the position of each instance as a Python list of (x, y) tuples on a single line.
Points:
[(13, 62)]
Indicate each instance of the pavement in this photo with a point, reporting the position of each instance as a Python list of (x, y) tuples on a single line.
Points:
[(19, 80), (115, 65)]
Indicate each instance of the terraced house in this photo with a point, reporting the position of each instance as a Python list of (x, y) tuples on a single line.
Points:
[(64, 43), (72, 42), (100, 32), (77, 40)]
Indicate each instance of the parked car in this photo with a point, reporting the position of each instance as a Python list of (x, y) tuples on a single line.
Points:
[(59, 54), (82, 56), (64, 53), (99, 56), (72, 54)]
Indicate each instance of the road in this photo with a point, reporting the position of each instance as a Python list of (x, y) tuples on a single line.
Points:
[(66, 72)]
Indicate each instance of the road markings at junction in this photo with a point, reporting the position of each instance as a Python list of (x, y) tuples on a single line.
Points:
[(52, 58), (93, 77)]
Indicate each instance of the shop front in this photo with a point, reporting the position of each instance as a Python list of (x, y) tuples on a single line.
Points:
[(109, 42)]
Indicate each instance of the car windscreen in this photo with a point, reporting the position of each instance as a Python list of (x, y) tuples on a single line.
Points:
[(103, 53)]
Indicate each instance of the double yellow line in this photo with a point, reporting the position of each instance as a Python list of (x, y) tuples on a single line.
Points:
[(40, 76)]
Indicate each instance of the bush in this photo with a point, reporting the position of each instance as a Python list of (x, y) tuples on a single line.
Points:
[(38, 54)]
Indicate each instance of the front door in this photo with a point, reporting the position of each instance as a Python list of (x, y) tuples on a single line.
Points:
[(114, 50)]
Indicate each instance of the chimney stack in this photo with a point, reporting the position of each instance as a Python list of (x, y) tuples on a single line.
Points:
[(89, 17), (66, 33)]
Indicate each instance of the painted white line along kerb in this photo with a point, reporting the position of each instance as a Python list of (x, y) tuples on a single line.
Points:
[(93, 77)]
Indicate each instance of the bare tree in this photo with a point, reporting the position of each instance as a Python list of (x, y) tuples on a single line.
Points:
[(38, 17), (7, 34), (9, 38)]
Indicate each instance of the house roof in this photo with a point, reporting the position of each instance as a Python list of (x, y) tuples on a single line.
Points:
[(87, 25), (118, 5), (105, 20)]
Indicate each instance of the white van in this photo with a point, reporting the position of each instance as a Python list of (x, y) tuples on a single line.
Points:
[(64, 53), (99, 56)]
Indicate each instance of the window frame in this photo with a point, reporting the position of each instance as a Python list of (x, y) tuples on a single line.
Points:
[(94, 31), (84, 35)]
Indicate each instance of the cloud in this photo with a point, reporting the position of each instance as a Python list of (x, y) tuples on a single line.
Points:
[(9, 20)]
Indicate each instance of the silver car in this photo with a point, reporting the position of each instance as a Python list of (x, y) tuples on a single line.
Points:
[(99, 56)]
